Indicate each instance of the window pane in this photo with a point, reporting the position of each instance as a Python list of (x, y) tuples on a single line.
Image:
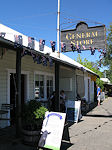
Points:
[(39, 86), (51, 82), (41, 80), (36, 83), (48, 93), (37, 92), (47, 82), (36, 77), (41, 83), (51, 90), (41, 92)]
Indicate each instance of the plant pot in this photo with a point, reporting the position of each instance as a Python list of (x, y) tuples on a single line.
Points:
[(31, 137)]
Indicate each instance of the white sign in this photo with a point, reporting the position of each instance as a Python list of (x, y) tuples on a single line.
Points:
[(102, 96), (73, 110), (52, 130)]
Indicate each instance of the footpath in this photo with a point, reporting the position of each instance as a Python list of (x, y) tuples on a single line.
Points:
[(94, 131)]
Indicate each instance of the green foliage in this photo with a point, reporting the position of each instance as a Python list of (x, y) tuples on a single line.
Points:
[(29, 119), (79, 59), (108, 59), (40, 113), (92, 66), (100, 83)]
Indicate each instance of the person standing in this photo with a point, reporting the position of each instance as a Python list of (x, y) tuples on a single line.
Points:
[(98, 94), (52, 101), (62, 101)]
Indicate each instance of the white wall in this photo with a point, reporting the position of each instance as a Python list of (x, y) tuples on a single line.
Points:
[(92, 91), (8, 65), (67, 73), (86, 88), (91, 88)]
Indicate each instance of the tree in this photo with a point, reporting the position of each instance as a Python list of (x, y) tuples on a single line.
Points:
[(92, 66), (107, 61)]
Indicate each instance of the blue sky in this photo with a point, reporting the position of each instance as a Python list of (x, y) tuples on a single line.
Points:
[(38, 18)]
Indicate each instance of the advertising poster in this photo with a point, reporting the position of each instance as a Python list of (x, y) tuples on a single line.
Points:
[(52, 130)]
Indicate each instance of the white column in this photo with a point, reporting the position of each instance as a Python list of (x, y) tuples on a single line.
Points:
[(58, 29)]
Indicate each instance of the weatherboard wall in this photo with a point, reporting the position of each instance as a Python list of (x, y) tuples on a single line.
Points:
[(28, 68), (68, 74)]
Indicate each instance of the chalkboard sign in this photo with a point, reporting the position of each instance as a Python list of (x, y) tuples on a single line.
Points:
[(70, 114), (73, 110)]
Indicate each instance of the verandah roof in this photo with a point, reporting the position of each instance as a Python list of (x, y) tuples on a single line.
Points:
[(9, 41)]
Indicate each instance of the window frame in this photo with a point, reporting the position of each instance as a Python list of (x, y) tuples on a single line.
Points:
[(49, 86), (45, 74)]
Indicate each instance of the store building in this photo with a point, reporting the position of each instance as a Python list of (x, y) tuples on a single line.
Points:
[(40, 77)]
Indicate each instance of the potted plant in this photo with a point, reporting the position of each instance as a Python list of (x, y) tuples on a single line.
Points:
[(32, 118)]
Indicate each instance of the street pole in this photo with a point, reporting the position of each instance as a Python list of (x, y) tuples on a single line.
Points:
[(58, 29), (57, 66)]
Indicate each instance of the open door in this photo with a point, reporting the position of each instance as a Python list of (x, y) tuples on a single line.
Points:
[(13, 94)]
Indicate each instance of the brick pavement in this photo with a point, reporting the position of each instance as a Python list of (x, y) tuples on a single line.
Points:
[(94, 131)]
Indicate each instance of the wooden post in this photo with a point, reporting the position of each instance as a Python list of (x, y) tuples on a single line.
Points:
[(18, 93), (57, 106)]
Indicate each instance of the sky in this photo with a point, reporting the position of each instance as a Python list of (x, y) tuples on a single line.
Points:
[(38, 18)]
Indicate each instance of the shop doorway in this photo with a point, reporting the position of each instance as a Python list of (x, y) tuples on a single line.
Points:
[(13, 91)]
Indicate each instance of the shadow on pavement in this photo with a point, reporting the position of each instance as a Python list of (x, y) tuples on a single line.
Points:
[(66, 135), (65, 144), (105, 116), (8, 140)]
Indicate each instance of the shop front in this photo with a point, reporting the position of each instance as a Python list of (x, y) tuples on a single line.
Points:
[(37, 78)]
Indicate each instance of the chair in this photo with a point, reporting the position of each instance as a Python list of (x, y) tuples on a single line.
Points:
[(5, 108)]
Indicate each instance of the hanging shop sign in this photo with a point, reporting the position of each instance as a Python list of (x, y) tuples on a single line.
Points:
[(84, 37)]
